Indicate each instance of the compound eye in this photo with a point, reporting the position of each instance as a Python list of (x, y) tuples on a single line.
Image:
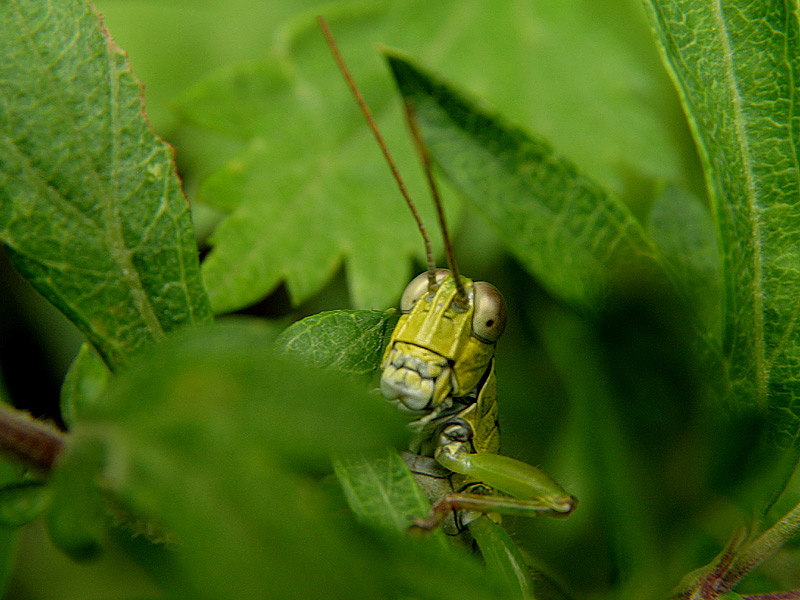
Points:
[(489, 318), (418, 288)]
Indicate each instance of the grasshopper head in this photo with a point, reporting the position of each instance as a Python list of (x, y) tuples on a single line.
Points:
[(442, 344)]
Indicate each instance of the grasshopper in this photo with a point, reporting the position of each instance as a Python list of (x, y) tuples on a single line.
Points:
[(439, 368)]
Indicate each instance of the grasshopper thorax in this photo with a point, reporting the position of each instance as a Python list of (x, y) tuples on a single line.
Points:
[(443, 344)]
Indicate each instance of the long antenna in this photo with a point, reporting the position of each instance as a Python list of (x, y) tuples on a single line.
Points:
[(371, 122), (426, 165)]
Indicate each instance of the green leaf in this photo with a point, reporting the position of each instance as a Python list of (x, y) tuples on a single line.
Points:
[(572, 234), (76, 521), (21, 502), (91, 209), (346, 341), (735, 66), (502, 556), (382, 491), (220, 440), (311, 165), (683, 229), (83, 385)]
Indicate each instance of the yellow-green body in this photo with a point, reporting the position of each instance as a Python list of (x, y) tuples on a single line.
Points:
[(437, 333), (439, 367)]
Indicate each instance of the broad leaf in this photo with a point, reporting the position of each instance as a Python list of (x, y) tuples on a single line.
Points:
[(220, 441), (569, 231), (91, 209), (216, 437), (735, 66), (311, 165)]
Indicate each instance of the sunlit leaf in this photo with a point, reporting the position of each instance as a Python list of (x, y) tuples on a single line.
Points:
[(570, 232), (311, 164), (91, 209)]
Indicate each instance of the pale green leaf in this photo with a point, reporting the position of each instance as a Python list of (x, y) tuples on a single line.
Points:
[(91, 209), (576, 237), (735, 66), (346, 341), (311, 165)]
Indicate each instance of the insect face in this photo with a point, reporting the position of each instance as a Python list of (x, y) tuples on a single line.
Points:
[(442, 345)]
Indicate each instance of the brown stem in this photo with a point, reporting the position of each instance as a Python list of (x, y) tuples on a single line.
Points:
[(787, 595), (34, 443)]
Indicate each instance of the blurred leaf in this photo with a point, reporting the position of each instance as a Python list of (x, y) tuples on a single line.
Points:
[(83, 385), (683, 229), (301, 172), (620, 482), (575, 236), (219, 440), (76, 521), (202, 435), (22, 502), (346, 341), (172, 43), (92, 211), (735, 66)]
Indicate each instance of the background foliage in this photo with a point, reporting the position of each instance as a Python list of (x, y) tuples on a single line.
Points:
[(650, 361)]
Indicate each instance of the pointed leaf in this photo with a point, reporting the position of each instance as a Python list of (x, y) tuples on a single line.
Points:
[(347, 341), (735, 66), (382, 491), (570, 232), (90, 206)]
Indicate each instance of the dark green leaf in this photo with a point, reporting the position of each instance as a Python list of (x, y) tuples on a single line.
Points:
[(90, 206), (503, 557), (570, 232), (22, 502), (735, 66), (76, 521), (683, 229), (382, 491), (215, 436), (346, 341)]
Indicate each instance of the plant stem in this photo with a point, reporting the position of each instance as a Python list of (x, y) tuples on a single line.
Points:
[(32, 442), (765, 546)]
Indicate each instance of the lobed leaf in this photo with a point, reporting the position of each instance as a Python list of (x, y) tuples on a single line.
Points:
[(735, 66), (91, 209), (576, 237), (310, 164)]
